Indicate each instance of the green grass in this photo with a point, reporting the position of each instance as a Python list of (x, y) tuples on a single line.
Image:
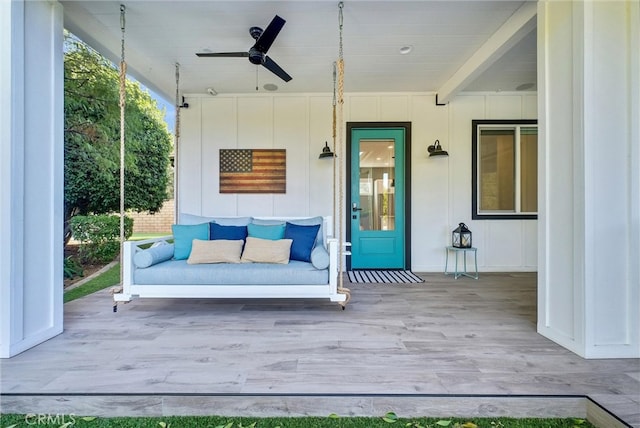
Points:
[(106, 279), (62, 421), (141, 236)]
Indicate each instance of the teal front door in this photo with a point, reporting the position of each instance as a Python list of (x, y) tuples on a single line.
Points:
[(377, 198)]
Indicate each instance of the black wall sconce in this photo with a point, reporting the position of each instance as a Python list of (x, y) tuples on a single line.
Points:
[(436, 150), (326, 152)]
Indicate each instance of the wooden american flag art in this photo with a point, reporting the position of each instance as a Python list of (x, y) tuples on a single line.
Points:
[(253, 171)]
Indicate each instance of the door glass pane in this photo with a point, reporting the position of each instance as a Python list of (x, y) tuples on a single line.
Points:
[(497, 170), (377, 175), (529, 170)]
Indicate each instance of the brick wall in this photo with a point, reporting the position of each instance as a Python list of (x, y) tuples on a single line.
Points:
[(159, 222)]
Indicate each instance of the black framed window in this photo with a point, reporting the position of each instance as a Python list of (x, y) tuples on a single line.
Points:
[(504, 169)]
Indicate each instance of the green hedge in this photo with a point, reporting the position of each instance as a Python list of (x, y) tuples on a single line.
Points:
[(99, 236)]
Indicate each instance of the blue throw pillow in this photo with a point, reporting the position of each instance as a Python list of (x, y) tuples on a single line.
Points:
[(304, 239), (273, 232), (232, 233), (312, 221), (183, 236)]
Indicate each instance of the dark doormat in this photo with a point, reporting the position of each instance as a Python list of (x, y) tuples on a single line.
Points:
[(383, 277)]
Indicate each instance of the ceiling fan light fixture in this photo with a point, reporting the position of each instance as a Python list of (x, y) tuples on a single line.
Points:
[(406, 49), (270, 87)]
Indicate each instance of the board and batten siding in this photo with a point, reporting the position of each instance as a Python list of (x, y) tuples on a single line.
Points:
[(301, 123)]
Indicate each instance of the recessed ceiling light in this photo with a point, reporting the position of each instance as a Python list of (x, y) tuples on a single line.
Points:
[(270, 87), (406, 49)]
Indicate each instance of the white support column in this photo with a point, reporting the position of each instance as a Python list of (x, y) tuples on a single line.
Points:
[(589, 201), (31, 173)]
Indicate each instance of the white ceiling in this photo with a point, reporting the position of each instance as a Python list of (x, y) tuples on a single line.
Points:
[(445, 37)]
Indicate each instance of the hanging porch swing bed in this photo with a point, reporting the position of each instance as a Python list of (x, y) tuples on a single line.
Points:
[(251, 268), (178, 266)]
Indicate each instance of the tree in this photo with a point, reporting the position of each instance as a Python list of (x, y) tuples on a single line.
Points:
[(92, 139)]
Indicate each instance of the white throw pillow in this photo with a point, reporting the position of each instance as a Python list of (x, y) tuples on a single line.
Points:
[(215, 251)]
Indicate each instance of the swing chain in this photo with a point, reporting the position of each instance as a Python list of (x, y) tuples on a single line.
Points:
[(178, 103), (334, 83), (340, 24), (176, 139), (122, 56), (334, 105), (122, 9), (123, 82), (340, 155)]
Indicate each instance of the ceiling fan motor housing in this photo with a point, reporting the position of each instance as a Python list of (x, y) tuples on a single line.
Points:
[(255, 56)]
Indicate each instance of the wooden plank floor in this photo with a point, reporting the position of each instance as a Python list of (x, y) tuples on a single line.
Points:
[(441, 348)]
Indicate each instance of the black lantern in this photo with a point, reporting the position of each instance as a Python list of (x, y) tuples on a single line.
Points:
[(461, 236)]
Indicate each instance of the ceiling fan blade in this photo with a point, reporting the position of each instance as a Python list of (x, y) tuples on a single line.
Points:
[(270, 33), (223, 54), (271, 65)]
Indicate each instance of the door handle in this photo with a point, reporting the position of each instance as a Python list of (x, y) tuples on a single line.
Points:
[(355, 208)]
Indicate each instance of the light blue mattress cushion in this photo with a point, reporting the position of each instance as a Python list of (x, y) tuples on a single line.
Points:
[(178, 272)]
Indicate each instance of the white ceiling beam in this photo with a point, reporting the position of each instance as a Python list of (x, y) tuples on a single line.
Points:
[(91, 31), (521, 23)]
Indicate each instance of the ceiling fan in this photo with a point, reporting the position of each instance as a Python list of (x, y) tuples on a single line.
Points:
[(257, 54)]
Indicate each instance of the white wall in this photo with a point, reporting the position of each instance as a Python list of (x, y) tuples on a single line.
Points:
[(299, 124), (31, 168), (441, 187)]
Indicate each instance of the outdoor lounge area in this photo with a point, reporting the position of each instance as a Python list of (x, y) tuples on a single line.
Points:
[(532, 103), (444, 347)]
